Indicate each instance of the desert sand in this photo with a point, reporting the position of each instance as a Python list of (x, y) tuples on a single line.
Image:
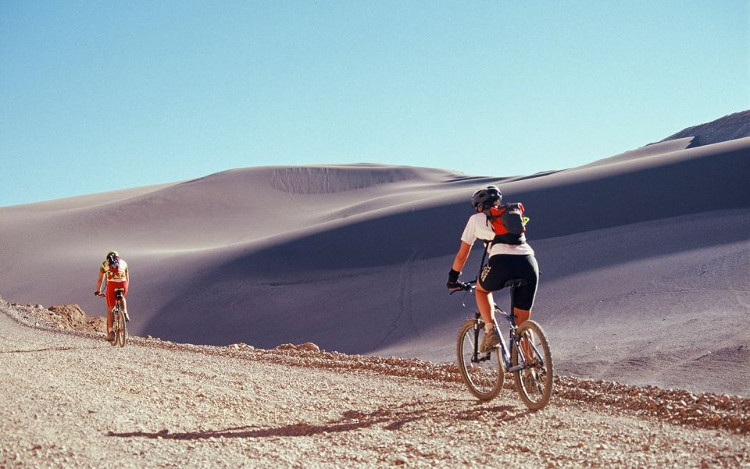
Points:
[(69, 399), (645, 259)]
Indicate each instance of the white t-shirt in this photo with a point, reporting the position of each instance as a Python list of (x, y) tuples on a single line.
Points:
[(479, 228)]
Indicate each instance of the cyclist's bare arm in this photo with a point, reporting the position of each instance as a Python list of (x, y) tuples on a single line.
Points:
[(461, 256), (99, 281)]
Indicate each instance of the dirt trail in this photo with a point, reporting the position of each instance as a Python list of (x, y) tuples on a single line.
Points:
[(69, 399)]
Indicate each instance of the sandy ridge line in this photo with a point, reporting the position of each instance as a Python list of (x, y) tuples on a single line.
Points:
[(676, 406)]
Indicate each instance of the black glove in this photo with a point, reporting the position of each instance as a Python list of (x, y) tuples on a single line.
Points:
[(453, 282)]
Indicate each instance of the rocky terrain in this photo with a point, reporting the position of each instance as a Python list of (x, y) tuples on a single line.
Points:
[(69, 399)]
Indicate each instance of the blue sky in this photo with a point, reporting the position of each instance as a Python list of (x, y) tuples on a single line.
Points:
[(104, 95)]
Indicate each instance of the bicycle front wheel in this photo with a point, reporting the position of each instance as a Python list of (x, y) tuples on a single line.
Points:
[(534, 382), (482, 372)]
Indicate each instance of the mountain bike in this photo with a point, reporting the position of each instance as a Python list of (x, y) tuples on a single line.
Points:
[(119, 324), (526, 354)]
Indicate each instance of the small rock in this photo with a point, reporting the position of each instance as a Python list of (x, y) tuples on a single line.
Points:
[(308, 346)]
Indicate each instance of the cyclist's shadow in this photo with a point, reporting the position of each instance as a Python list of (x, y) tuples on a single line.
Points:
[(391, 418)]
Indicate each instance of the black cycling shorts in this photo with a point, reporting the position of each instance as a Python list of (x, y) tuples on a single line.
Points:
[(504, 267)]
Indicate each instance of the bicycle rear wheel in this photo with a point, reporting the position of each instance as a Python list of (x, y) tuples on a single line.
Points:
[(534, 383), (121, 330), (482, 372), (115, 327)]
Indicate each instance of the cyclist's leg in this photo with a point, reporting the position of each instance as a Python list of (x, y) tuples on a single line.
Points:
[(110, 297), (521, 315), (526, 350), (524, 267), (110, 319), (124, 285), (484, 304), (489, 281), (492, 278), (125, 308)]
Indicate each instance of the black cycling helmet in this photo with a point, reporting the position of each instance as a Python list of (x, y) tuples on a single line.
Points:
[(112, 256), (486, 197)]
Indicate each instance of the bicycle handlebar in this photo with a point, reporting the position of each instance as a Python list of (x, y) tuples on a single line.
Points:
[(464, 286)]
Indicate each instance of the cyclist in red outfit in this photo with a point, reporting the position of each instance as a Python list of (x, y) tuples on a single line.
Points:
[(115, 270)]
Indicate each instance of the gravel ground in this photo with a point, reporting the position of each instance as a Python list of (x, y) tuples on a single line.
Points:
[(69, 399)]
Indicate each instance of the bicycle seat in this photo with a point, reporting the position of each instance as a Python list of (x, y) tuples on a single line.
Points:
[(118, 293), (516, 282)]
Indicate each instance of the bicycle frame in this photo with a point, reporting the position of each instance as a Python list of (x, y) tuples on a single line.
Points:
[(505, 347)]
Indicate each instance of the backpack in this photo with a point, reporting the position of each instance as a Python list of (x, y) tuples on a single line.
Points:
[(508, 223)]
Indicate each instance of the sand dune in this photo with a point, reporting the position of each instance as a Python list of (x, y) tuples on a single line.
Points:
[(645, 259), (729, 127)]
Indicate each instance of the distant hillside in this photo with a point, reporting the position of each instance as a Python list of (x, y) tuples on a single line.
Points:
[(729, 127)]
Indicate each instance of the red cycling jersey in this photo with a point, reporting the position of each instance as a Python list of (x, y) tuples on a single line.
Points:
[(117, 278)]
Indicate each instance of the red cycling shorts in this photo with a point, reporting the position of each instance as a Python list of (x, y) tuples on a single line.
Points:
[(110, 295)]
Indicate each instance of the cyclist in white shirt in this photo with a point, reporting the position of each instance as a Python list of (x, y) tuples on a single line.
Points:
[(511, 257)]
